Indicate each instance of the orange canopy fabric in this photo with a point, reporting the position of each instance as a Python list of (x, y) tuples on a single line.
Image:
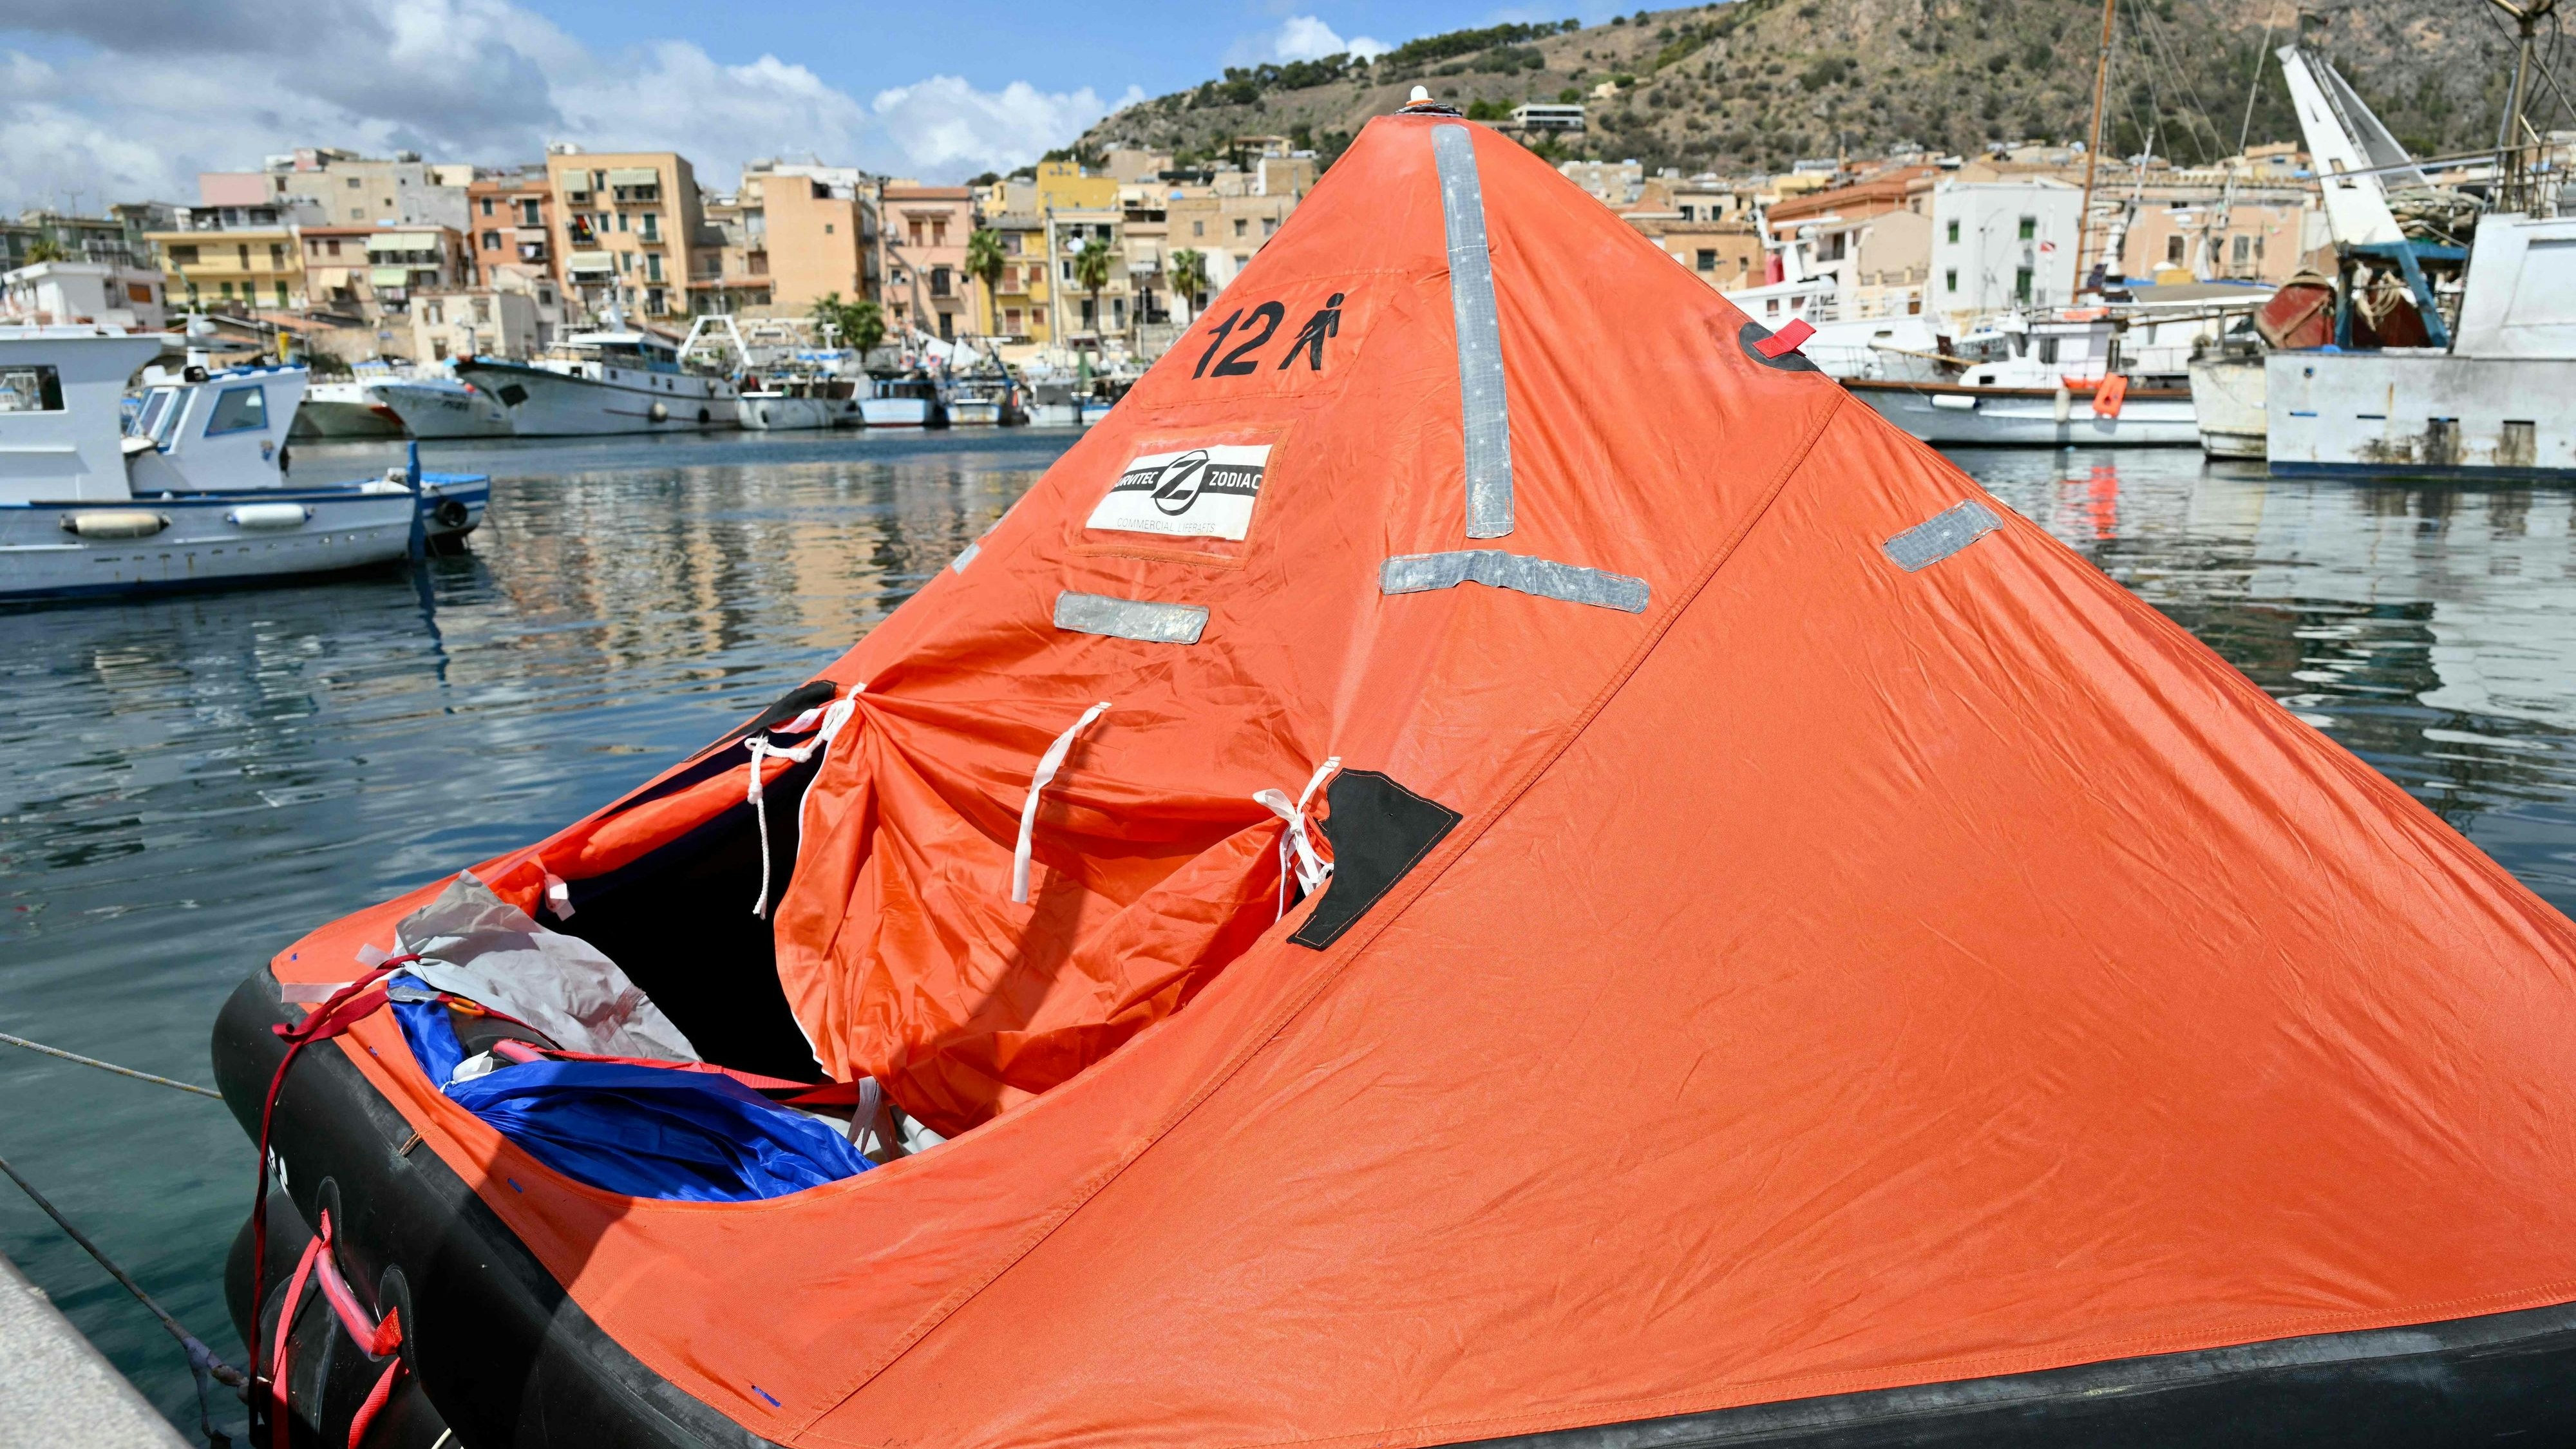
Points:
[(1843, 975)]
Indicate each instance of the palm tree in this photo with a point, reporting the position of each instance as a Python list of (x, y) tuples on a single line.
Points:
[(1091, 270), (858, 324), (1188, 278), (46, 249), (984, 263)]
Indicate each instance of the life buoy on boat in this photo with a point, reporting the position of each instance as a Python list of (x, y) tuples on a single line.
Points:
[(450, 513)]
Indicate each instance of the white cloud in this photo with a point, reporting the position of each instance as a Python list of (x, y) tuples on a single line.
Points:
[(135, 108), (1300, 37)]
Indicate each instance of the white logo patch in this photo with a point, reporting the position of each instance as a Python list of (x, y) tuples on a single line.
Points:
[(1201, 493)]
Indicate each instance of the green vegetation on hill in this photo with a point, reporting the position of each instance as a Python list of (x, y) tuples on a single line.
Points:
[(1757, 84)]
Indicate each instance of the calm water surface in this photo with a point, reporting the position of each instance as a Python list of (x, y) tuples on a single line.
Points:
[(186, 785)]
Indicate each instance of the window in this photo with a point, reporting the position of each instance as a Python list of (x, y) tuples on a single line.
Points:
[(487, 206), (1198, 228), (1239, 226), (621, 221), (228, 291), (239, 410), (939, 235), (653, 301), (491, 241), (1269, 224), (653, 267), (939, 281), (242, 251), (916, 230), (1688, 212), (2048, 351), (331, 246), (2021, 284), (1950, 280), (2029, 228), (947, 326), (827, 228), (529, 215), (651, 226), (433, 313), (357, 213), (1068, 269), (183, 256), (1707, 259), (1952, 237), (353, 183), (1090, 313), (2242, 249), (281, 295), (30, 388), (2173, 250), (1011, 320)]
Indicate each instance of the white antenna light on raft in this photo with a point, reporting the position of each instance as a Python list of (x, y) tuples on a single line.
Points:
[(1420, 94)]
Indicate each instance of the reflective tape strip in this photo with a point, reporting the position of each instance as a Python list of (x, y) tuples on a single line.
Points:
[(1942, 535), (964, 557), (1129, 618), (1416, 573), (1480, 336)]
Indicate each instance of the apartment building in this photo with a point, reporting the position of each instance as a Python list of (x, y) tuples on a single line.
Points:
[(245, 267), (477, 322), (1998, 245), (326, 185), (1225, 229), (1021, 298), (2202, 233), (628, 226), (1076, 312), (80, 238), (335, 267), (922, 232), (794, 233), (510, 220)]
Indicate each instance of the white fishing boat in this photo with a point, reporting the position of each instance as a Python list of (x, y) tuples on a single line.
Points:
[(902, 402), (789, 404), (2045, 382), (344, 410), (593, 383), (193, 493), (2227, 401), (2415, 379), (442, 407), (981, 401)]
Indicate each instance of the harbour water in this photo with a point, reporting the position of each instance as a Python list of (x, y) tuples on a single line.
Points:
[(186, 784)]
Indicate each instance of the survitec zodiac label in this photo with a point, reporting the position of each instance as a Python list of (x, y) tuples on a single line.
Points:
[(1201, 493)]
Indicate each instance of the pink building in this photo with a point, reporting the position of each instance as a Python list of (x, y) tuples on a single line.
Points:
[(921, 240)]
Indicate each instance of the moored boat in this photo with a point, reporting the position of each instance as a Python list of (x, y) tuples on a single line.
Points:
[(1109, 1003), (194, 493), (608, 382), (344, 410), (901, 402), (2054, 382), (442, 407)]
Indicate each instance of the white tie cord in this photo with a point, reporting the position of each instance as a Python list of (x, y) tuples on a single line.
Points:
[(1048, 764), (834, 719), (1296, 846)]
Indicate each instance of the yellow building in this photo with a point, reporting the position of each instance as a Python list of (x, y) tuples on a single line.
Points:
[(627, 224), (251, 267)]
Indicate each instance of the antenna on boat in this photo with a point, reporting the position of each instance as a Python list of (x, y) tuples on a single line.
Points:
[(2514, 136)]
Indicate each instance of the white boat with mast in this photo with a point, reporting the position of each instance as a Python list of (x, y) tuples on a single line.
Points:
[(616, 380), (192, 491), (1901, 347), (2443, 361), (784, 384), (435, 406)]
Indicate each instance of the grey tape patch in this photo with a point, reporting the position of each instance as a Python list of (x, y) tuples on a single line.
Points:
[(1415, 573), (1480, 336), (964, 557), (1942, 535), (1129, 618)]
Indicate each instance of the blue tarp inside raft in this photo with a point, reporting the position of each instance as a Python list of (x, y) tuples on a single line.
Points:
[(642, 1131)]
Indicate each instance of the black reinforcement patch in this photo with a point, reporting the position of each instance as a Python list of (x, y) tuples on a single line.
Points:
[(1378, 830)]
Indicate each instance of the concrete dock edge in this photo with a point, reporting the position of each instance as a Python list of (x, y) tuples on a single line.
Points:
[(57, 1390)]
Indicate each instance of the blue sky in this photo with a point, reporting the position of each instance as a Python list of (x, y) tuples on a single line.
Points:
[(130, 100)]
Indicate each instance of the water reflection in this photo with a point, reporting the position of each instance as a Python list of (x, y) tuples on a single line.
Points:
[(187, 784)]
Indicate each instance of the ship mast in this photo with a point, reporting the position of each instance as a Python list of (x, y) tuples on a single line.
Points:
[(2093, 148), (2513, 162)]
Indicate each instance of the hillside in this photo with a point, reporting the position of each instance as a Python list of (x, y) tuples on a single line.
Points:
[(1757, 84)]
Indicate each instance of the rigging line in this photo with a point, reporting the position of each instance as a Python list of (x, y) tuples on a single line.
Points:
[(2182, 79), (2254, 85), (37, 1046)]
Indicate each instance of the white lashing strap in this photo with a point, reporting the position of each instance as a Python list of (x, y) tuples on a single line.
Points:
[(1296, 844), (834, 719), (1048, 764)]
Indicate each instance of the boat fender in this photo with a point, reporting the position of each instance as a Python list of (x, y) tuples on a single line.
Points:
[(450, 513), (269, 517), (115, 523), (658, 413), (703, 415), (1753, 335)]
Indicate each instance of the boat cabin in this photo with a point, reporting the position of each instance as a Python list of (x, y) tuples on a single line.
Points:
[(61, 388), (213, 432)]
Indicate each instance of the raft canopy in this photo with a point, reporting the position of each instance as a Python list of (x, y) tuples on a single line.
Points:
[(1484, 857)]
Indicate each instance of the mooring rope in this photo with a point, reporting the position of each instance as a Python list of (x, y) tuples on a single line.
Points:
[(202, 1361), (37, 1046)]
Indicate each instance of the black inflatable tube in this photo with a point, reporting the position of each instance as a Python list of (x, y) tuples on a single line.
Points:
[(502, 1353), (508, 1359)]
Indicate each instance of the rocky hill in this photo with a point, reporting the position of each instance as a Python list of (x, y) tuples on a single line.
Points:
[(1757, 84)]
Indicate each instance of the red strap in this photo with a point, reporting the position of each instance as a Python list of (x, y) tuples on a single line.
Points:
[(343, 1009), (1787, 340), (365, 1418), (377, 1338), (277, 1355)]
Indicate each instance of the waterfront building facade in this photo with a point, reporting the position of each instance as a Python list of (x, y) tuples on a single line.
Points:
[(238, 268), (922, 233), (2001, 246), (511, 226), (477, 322), (627, 224)]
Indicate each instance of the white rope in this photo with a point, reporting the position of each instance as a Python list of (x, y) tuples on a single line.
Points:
[(834, 719), (1296, 845), (1048, 764)]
